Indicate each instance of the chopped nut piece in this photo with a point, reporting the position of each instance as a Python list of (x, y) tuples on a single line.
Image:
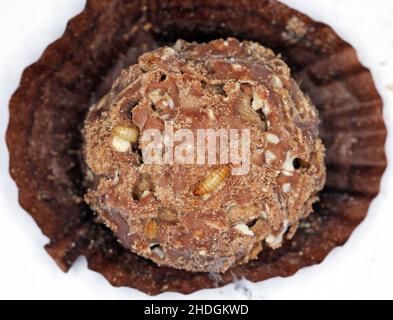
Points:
[(167, 52), (155, 95), (272, 138), (288, 167), (178, 45), (242, 228), (275, 240), (156, 249), (237, 67), (277, 81), (259, 100), (214, 224), (169, 100), (286, 187), (145, 194), (234, 214), (269, 156)]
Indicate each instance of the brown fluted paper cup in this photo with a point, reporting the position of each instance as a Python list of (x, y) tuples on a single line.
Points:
[(48, 109)]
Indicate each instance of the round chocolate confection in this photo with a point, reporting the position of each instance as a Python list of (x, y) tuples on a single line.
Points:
[(201, 216)]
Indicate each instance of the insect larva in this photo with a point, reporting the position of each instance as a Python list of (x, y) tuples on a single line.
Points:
[(130, 134), (212, 181), (150, 229)]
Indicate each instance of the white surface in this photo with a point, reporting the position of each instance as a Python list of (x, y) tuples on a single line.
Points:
[(361, 269)]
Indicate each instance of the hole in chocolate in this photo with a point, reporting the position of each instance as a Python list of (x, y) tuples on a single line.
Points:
[(157, 249), (263, 118), (135, 196), (245, 107), (219, 89), (252, 223), (300, 164), (163, 77), (128, 111), (138, 152), (133, 104), (142, 187), (154, 245)]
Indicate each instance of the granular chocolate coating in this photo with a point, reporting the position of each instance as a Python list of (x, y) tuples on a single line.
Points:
[(166, 212), (48, 110)]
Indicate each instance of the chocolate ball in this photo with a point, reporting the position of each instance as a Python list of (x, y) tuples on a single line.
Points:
[(202, 154)]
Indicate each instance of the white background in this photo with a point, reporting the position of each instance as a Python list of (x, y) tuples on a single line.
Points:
[(363, 268)]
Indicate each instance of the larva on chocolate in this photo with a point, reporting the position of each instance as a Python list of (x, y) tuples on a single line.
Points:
[(130, 134), (212, 182)]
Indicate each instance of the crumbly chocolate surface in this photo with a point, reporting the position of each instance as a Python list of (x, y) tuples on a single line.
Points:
[(48, 110), (223, 84)]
